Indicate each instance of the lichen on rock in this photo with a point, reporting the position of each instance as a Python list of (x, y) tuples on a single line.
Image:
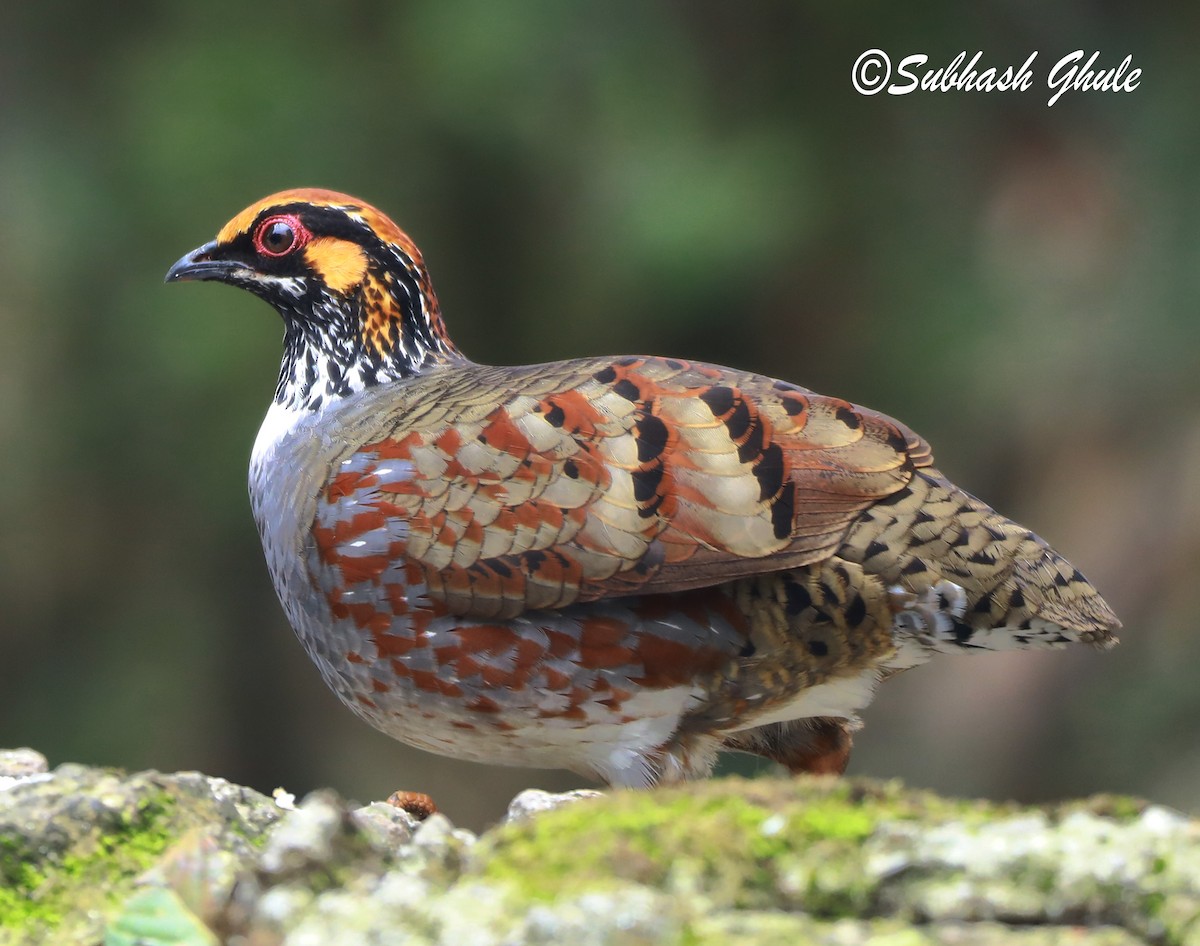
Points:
[(88, 855), (72, 841)]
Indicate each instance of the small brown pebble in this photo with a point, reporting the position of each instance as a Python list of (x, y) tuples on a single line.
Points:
[(417, 804)]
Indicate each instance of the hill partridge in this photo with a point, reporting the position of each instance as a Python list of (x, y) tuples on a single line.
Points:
[(619, 566)]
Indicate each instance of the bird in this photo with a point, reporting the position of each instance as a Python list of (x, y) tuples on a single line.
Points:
[(619, 566)]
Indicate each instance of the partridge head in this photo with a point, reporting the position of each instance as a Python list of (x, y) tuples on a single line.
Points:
[(620, 566)]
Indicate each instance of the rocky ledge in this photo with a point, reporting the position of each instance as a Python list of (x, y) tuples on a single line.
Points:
[(100, 856)]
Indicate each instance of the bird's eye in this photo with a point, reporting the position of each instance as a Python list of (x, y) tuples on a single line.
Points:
[(279, 236)]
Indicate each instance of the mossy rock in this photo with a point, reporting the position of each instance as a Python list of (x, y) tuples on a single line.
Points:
[(837, 851), (725, 861), (74, 841)]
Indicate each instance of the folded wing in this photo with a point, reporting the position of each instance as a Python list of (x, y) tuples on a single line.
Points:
[(597, 478)]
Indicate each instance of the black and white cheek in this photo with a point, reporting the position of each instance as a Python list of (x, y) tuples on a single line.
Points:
[(281, 287)]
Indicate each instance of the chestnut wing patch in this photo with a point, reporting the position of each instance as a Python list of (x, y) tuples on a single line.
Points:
[(595, 478)]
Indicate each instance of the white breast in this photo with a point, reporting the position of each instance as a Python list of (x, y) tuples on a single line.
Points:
[(288, 468), (274, 485)]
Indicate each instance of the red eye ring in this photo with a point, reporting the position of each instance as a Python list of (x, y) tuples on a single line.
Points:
[(280, 235)]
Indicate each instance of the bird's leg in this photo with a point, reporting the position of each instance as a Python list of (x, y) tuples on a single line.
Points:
[(818, 746)]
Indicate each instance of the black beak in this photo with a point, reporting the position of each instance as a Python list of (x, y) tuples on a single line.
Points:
[(198, 264)]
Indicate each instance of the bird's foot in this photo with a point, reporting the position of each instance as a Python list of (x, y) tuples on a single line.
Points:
[(934, 610)]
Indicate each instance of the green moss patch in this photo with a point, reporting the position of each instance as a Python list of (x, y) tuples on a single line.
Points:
[(743, 844), (73, 844), (89, 872)]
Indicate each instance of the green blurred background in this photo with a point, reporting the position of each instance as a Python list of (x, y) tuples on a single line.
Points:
[(1019, 283)]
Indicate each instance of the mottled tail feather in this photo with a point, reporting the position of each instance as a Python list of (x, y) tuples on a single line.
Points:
[(1058, 593), (1044, 600), (1016, 591)]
